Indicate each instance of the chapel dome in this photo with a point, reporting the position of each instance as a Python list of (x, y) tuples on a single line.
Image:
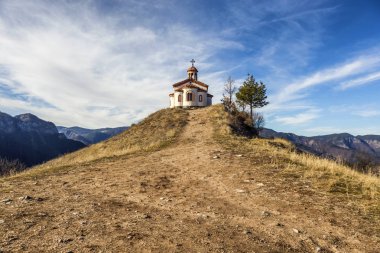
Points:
[(192, 69)]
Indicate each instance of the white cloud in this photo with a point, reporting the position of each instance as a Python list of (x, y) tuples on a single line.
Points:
[(299, 118), (365, 110), (90, 69), (294, 96), (367, 113), (355, 66), (360, 81)]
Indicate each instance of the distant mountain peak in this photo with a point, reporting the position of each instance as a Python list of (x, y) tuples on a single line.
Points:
[(31, 123), (90, 136)]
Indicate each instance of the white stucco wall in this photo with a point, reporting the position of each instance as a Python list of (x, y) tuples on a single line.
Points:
[(172, 102), (176, 94), (194, 100), (204, 98)]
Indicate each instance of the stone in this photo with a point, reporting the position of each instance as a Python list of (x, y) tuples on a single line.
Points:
[(42, 214), (265, 214), (216, 157), (65, 240), (6, 201), (260, 184), (240, 191), (296, 231), (2, 221), (147, 216), (247, 232), (26, 197), (239, 155)]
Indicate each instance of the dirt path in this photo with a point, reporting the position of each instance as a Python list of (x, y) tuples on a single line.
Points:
[(193, 196)]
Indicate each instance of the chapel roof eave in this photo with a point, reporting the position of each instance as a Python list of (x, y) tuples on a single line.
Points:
[(190, 80), (181, 82)]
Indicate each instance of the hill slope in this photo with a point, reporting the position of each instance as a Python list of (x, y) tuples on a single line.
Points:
[(167, 186)]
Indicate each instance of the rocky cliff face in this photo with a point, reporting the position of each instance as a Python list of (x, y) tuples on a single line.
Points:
[(31, 123), (25, 123), (8, 124), (31, 140)]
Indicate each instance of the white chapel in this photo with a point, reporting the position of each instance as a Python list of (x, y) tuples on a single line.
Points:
[(190, 92)]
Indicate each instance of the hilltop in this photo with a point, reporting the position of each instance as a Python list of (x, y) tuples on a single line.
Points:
[(181, 181)]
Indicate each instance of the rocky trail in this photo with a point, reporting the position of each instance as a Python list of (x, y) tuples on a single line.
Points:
[(193, 196)]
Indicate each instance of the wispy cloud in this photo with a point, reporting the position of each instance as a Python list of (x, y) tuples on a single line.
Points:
[(360, 81), (363, 110), (353, 67), (293, 97), (299, 118), (367, 113)]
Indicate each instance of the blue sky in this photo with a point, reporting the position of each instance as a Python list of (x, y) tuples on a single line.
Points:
[(111, 63)]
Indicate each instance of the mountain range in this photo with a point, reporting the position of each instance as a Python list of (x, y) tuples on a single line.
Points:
[(89, 136), (360, 151), (32, 140)]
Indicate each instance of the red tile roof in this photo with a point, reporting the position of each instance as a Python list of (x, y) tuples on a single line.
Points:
[(188, 80), (181, 82), (200, 83)]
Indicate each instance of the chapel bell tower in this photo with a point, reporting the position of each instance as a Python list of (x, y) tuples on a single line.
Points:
[(192, 72)]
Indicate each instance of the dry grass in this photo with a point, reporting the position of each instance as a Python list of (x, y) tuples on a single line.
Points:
[(328, 176), (153, 133)]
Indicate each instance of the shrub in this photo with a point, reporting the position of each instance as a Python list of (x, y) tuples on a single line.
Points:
[(10, 167)]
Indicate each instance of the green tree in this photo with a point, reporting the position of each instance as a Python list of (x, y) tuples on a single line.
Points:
[(252, 94)]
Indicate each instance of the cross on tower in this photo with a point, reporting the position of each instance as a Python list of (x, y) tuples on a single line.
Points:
[(192, 62)]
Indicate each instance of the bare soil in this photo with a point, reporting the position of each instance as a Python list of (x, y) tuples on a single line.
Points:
[(192, 196)]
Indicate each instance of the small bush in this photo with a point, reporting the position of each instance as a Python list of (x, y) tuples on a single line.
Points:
[(10, 167)]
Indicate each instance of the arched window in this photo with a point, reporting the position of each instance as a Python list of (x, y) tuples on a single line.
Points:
[(189, 96), (179, 98), (200, 98)]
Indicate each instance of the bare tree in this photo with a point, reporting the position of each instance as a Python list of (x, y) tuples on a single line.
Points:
[(10, 167), (229, 91), (258, 121)]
